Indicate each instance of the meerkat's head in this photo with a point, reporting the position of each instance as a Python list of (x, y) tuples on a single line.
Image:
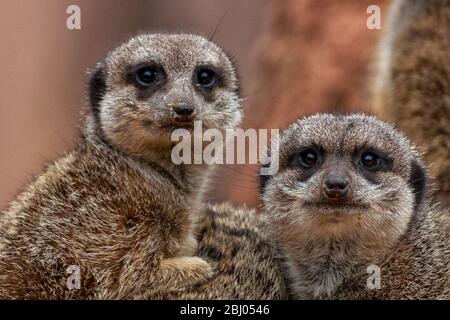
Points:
[(155, 83), (344, 177)]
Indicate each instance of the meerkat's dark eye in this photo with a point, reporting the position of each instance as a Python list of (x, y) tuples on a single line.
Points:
[(308, 158), (206, 78), (145, 76), (370, 160)]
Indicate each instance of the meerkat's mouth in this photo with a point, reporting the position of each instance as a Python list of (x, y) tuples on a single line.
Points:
[(170, 126), (337, 207)]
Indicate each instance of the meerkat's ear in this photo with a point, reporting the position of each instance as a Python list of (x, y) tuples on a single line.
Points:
[(97, 87), (418, 182)]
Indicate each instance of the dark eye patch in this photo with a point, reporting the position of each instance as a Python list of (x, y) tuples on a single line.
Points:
[(206, 78), (293, 163), (369, 161), (147, 77), (306, 160)]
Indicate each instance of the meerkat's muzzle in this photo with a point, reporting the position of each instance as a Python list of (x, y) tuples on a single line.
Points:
[(183, 113), (336, 188)]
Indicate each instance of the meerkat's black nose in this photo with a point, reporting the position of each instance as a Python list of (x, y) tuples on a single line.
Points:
[(336, 187), (183, 110)]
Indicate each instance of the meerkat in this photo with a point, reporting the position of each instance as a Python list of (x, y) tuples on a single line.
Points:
[(237, 244), (117, 210), (351, 196), (411, 81)]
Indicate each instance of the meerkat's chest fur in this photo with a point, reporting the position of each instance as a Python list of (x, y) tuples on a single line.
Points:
[(318, 269)]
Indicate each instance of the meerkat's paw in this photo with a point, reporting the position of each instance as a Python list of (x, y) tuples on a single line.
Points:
[(189, 271), (177, 275)]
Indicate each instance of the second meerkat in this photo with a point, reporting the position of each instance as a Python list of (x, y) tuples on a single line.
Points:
[(117, 209), (352, 194)]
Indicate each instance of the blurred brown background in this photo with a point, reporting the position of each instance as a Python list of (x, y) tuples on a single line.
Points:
[(295, 57)]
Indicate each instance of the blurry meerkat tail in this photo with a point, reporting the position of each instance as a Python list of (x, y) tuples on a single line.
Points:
[(411, 83)]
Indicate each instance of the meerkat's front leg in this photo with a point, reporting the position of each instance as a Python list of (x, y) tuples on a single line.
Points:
[(141, 281), (188, 247), (145, 271), (176, 274)]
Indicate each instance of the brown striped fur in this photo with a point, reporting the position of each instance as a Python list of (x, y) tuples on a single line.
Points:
[(237, 244)]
